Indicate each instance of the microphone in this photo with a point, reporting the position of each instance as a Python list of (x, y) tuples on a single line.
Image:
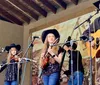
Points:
[(3, 50), (29, 60), (67, 41), (86, 38), (34, 37)]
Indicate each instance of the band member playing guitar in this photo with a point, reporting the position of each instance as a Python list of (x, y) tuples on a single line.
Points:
[(95, 45)]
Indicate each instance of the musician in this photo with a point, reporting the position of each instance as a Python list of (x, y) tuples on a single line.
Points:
[(78, 70), (94, 27), (11, 69), (50, 72)]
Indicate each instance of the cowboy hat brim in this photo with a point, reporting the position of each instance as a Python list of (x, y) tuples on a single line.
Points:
[(53, 31), (18, 47)]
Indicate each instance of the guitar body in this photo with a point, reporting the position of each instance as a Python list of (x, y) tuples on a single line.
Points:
[(45, 62), (94, 51)]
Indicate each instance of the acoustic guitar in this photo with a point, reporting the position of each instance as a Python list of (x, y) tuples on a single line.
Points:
[(95, 49)]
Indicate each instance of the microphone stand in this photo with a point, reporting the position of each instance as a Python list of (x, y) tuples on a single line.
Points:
[(29, 46), (72, 72), (18, 75), (61, 64), (97, 11), (90, 40), (71, 42)]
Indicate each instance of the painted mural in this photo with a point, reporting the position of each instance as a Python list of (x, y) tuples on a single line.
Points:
[(66, 29)]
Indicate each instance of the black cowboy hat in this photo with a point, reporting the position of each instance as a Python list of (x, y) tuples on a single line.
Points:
[(18, 47), (53, 31)]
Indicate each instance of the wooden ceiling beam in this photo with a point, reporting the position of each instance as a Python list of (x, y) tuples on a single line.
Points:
[(74, 1), (61, 3), (49, 5), (9, 17), (4, 18), (9, 7), (25, 9), (35, 6)]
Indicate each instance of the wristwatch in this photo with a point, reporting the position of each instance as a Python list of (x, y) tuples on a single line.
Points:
[(53, 56)]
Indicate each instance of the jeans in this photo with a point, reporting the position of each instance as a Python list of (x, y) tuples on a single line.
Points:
[(51, 79), (77, 78), (10, 83)]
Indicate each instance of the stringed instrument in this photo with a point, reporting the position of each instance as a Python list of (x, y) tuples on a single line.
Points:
[(95, 49), (45, 61), (12, 58), (46, 58)]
